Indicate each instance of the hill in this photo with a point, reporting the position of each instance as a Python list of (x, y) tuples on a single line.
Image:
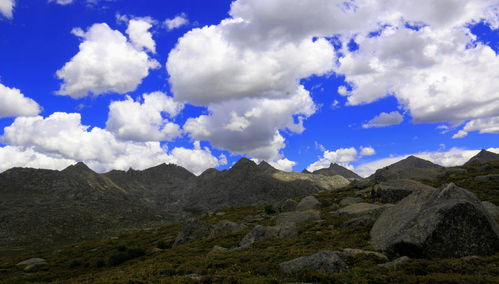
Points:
[(409, 168), (335, 169)]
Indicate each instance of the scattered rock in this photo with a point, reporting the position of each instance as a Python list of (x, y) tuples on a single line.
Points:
[(225, 227), (286, 205), (487, 178), (156, 250), (360, 221), (327, 261), (194, 276), (360, 210), (218, 249), (349, 252), (393, 191), (307, 203), (437, 223), (491, 208), (297, 217), (260, 233), (350, 200), (57, 251), (32, 263), (220, 213), (191, 231), (396, 262)]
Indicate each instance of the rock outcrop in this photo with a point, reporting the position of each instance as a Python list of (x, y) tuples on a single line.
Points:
[(191, 231), (360, 210), (260, 233), (328, 261), (393, 191), (297, 217), (445, 222), (308, 203)]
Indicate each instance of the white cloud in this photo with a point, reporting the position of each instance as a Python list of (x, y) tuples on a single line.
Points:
[(343, 156), (11, 157), (483, 125), (176, 22), (62, 2), (453, 157), (131, 120), (14, 103), (251, 126), (385, 119), (7, 8), (107, 62), (367, 151), (138, 31), (61, 138)]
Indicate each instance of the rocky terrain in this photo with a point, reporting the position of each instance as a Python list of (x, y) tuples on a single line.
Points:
[(255, 224)]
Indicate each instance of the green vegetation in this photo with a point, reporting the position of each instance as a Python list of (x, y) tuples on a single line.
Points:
[(131, 258)]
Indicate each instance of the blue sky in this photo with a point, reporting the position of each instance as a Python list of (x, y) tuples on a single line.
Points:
[(120, 84)]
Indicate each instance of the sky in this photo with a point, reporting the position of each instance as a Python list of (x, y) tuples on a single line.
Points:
[(122, 84)]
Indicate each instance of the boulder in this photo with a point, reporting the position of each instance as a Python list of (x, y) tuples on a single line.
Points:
[(437, 223), (191, 231), (491, 208), (360, 210), (360, 221), (225, 227), (32, 264), (396, 262), (487, 178), (349, 252), (286, 205), (218, 249), (307, 203), (260, 233), (297, 217), (393, 191), (350, 200), (327, 261)]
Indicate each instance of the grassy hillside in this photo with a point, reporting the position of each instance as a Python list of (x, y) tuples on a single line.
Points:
[(129, 258)]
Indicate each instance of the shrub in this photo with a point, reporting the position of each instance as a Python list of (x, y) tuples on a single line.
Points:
[(269, 209), (122, 256), (99, 263)]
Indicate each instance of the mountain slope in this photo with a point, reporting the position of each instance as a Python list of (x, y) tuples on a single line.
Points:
[(335, 169), (410, 168), (482, 157)]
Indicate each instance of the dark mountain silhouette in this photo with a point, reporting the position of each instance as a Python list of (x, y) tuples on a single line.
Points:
[(409, 168), (335, 169), (482, 157)]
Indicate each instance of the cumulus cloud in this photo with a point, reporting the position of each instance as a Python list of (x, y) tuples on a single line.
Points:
[(7, 8), (453, 157), (138, 32), (61, 139), (62, 2), (385, 119), (251, 126), (132, 120), (342, 156), (106, 62), (14, 103), (176, 22), (483, 125)]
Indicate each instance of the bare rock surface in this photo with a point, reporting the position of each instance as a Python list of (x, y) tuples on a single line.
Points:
[(297, 217), (327, 261)]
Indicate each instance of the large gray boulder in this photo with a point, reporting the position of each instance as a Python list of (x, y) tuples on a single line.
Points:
[(307, 203), (225, 227), (32, 264), (286, 205), (191, 231), (445, 222), (360, 210), (328, 261), (260, 233), (491, 208), (490, 177), (393, 191), (297, 217), (350, 200)]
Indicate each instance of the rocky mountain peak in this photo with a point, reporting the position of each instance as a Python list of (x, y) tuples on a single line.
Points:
[(414, 162), (266, 167), (78, 168), (244, 164), (335, 169), (483, 156)]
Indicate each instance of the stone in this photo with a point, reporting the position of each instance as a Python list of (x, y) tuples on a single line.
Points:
[(225, 227), (32, 264), (349, 252), (308, 203), (397, 262), (437, 223), (487, 178), (360, 210), (297, 217), (286, 205), (327, 261), (350, 200), (191, 231), (260, 233), (491, 208), (393, 191), (358, 222), (156, 250), (218, 249)]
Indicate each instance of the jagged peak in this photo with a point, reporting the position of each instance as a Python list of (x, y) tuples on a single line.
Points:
[(244, 163), (79, 167)]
